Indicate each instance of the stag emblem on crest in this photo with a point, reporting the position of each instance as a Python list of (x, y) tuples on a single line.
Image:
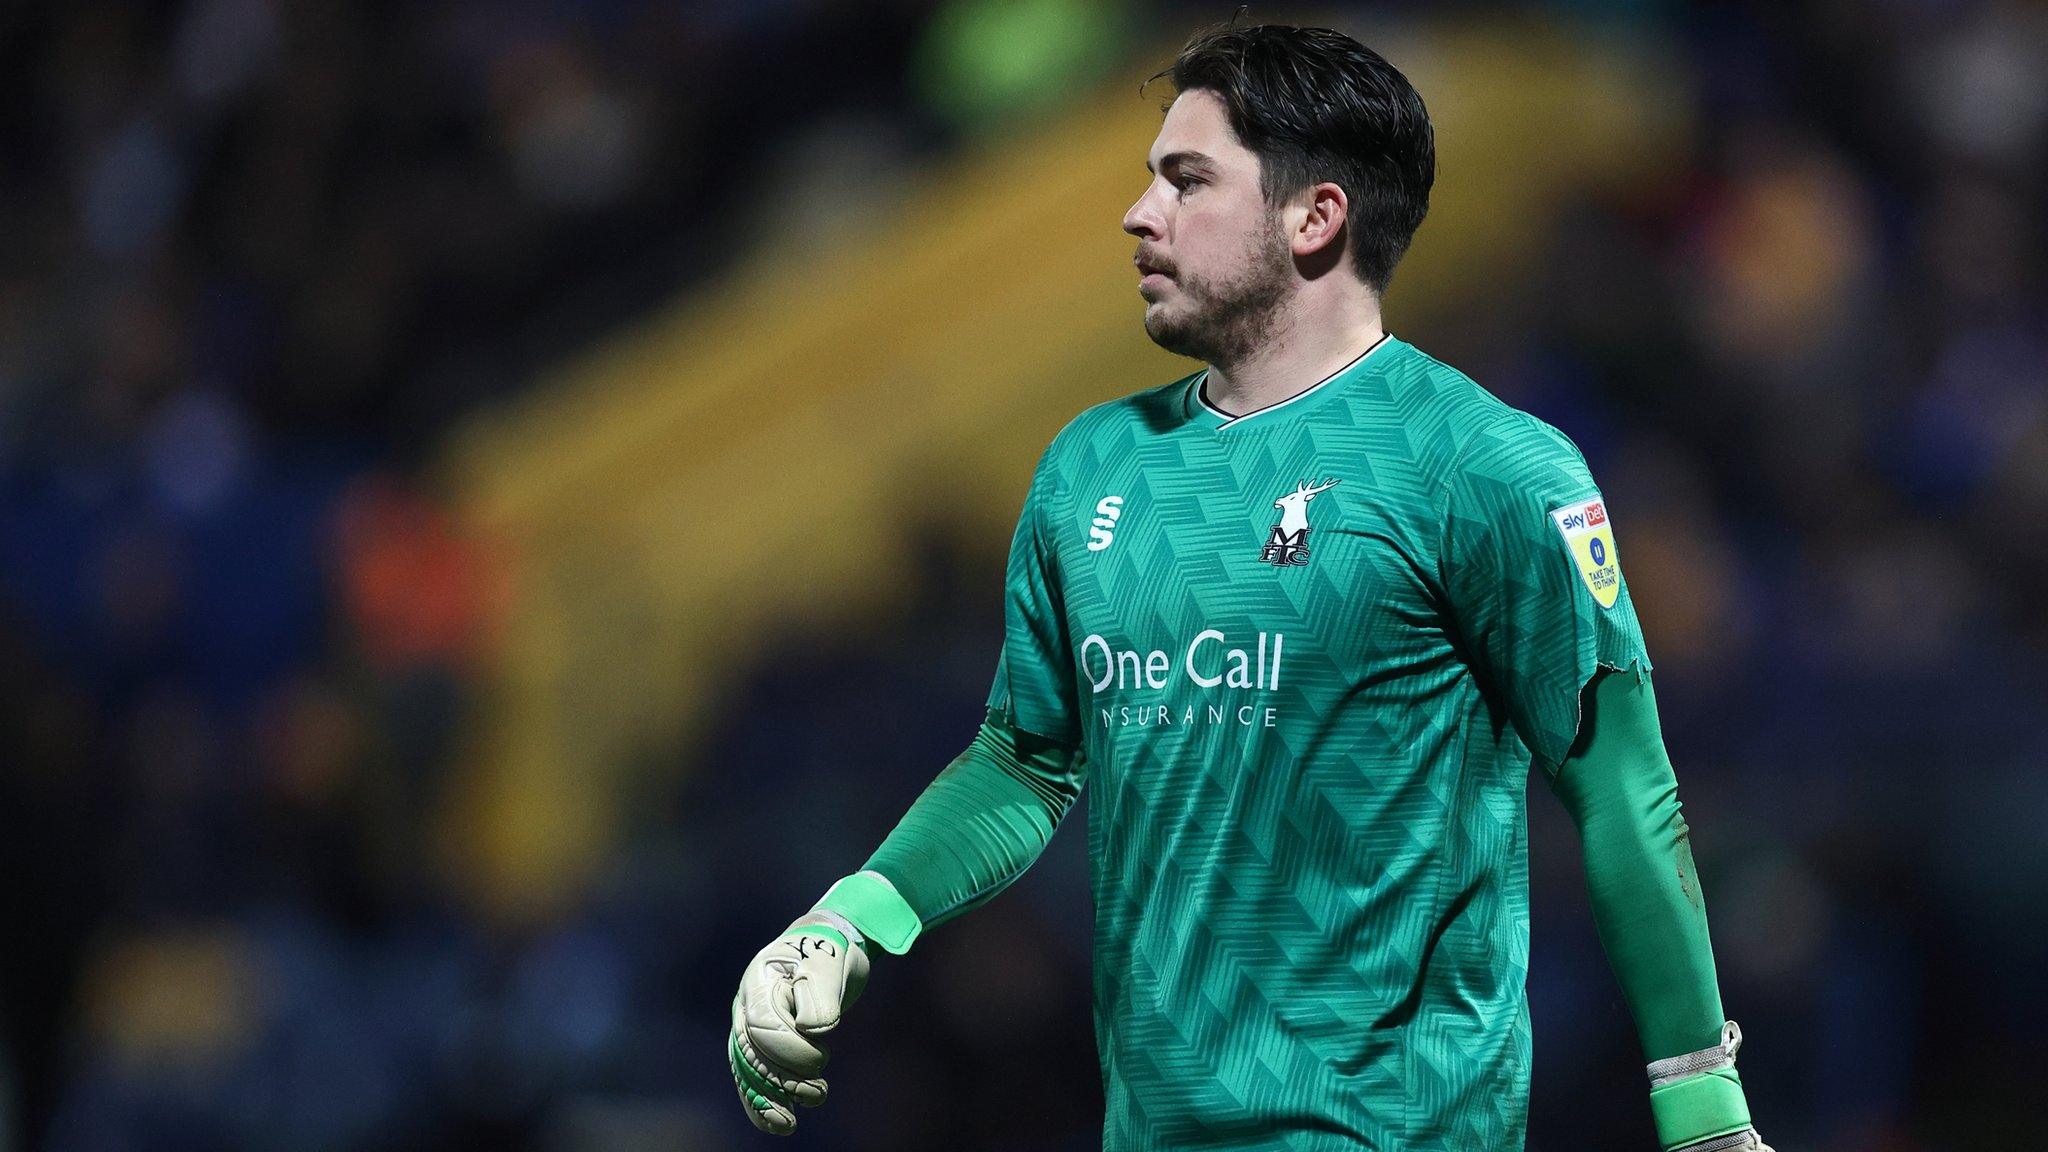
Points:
[(1288, 543)]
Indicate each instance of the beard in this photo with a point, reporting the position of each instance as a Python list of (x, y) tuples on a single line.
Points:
[(1223, 319)]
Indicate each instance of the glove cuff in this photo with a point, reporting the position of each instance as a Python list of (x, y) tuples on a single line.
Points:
[(871, 904), (1698, 1096), (1741, 1138), (830, 925)]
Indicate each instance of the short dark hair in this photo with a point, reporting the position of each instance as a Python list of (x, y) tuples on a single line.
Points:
[(1313, 105)]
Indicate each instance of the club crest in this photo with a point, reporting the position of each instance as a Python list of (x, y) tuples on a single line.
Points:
[(1287, 544)]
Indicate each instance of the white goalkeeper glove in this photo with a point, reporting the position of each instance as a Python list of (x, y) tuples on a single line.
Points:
[(794, 991)]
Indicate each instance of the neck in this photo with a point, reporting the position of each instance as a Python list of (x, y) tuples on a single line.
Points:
[(1300, 352)]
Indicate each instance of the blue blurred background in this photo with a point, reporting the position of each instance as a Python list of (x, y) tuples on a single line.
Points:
[(502, 502)]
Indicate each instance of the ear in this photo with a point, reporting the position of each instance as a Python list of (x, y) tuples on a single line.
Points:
[(1323, 210)]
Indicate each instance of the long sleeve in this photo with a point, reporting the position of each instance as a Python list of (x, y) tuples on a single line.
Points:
[(993, 809), (1619, 787), (973, 831)]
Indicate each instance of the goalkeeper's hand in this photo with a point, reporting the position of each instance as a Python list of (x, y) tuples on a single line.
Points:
[(793, 992), (1697, 1100)]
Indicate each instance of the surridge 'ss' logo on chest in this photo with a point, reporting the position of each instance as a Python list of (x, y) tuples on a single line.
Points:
[(1102, 529), (1287, 544)]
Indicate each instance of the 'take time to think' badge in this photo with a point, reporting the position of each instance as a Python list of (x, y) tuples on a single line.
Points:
[(1590, 536)]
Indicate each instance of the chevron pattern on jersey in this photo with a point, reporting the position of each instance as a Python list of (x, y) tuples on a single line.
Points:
[(1307, 828)]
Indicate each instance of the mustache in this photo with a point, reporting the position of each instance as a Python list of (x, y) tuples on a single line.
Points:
[(1151, 259)]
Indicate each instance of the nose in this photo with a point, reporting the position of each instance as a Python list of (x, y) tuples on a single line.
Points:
[(1144, 220)]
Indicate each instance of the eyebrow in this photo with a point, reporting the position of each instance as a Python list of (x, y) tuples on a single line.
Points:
[(1181, 159)]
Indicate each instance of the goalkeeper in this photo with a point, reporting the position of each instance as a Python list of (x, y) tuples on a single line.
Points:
[(1304, 621)]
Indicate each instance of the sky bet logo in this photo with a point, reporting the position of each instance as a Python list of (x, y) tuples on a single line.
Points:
[(1588, 515)]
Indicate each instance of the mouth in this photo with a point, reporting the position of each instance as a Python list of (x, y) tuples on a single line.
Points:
[(1151, 277)]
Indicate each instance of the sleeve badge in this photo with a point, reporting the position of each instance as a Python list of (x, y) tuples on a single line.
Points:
[(1589, 534)]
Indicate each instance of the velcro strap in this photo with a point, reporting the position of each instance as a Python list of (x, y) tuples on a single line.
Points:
[(871, 904), (1744, 1139), (1721, 1055), (1699, 1108), (821, 931)]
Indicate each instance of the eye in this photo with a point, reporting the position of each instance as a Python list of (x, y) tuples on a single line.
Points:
[(1185, 184)]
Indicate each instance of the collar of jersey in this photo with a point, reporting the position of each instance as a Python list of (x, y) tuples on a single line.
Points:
[(1203, 415)]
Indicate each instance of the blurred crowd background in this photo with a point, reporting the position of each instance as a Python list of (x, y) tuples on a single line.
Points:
[(420, 694)]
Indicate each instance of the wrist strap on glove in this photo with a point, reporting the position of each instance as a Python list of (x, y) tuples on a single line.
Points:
[(830, 925), (1744, 1138), (1698, 1097), (868, 902)]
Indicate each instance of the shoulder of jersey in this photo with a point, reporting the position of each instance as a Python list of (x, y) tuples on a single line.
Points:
[(1153, 409), (1462, 423)]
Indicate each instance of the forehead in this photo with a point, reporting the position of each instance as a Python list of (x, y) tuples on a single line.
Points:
[(1198, 121)]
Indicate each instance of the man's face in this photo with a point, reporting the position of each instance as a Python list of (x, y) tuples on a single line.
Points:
[(1213, 258)]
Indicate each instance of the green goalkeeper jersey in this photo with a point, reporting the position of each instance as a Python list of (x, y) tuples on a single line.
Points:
[(1309, 654)]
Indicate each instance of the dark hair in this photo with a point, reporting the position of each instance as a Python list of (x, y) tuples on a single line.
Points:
[(1314, 105)]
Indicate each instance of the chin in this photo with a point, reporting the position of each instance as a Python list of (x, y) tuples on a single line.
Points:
[(1167, 334)]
